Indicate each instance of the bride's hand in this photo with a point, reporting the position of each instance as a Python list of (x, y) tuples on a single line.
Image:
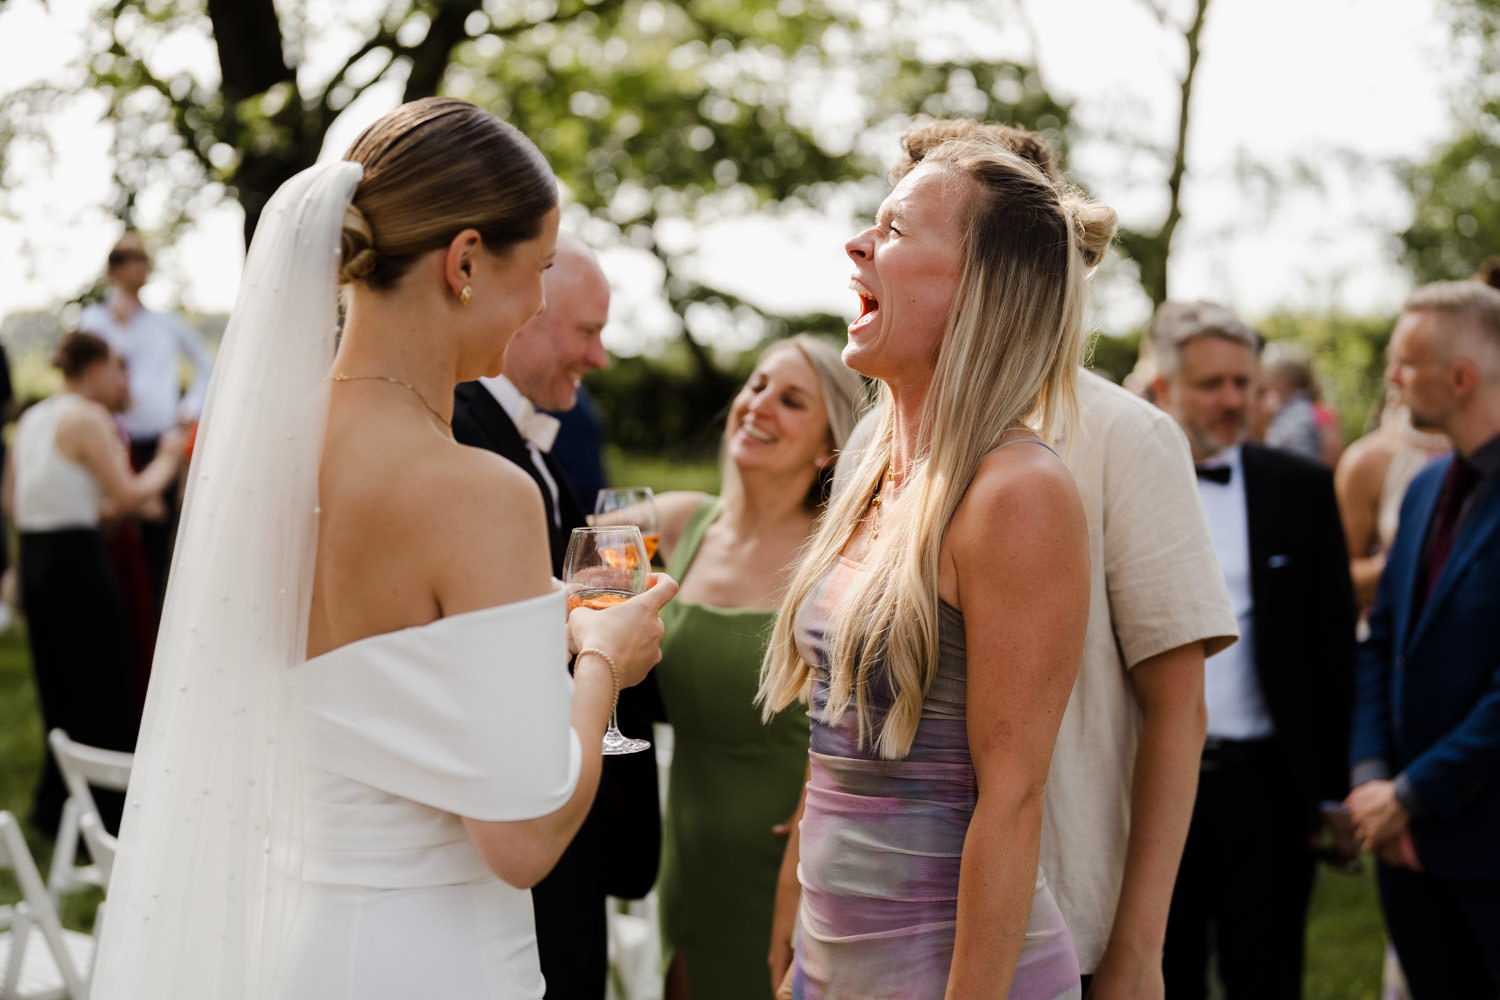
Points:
[(630, 632)]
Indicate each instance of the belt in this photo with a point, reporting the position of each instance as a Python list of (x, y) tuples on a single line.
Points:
[(1219, 752)]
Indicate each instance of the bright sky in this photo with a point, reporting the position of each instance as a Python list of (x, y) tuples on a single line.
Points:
[(1282, 83)]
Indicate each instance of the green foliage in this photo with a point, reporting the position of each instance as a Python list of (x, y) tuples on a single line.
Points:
[(1114, 357), (1348, 354), (666, 405), (1456, 192), (656, 115), (1456, 223)]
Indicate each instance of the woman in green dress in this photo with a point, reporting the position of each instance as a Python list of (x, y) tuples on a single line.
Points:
[(732, 778)]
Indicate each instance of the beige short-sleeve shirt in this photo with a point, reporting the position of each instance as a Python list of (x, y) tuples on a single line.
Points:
[(1155, 585)]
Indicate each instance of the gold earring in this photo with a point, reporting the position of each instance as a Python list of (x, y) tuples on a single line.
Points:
[(465, 295)]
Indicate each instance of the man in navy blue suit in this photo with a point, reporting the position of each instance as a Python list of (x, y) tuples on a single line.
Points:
[(1426, 735)]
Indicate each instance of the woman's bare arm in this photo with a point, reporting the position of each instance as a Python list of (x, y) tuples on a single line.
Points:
[(1358, 481), (672, 513), (87, 436), (1016, 559), (464, 551)]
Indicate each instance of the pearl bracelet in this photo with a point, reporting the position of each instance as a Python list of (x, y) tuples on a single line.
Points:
[(613, 670)]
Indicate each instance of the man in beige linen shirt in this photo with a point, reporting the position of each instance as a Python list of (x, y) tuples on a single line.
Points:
[(1124, 772)]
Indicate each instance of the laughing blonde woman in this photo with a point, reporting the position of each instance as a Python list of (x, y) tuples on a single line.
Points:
[(937, 619)]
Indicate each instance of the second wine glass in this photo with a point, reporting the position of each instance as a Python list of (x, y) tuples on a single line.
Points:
[(630, 505), (606, 566)]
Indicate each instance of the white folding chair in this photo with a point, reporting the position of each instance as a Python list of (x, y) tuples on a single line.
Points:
[(40, 960), (102, 846), (83, 768), (634, 938)]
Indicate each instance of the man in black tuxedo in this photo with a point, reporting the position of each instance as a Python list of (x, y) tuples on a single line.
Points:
[(615, 851), (1278, 700)]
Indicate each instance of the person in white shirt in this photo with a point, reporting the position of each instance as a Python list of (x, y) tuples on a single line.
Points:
[(66, 469), (153, 346), (1278, 700)]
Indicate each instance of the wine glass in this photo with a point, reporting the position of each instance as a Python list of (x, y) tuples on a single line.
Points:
[(604, 566), (630, 505)]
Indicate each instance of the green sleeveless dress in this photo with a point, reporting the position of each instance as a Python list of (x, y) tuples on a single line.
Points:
[(732, 779)]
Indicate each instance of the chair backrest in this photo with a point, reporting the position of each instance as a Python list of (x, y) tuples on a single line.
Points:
[(34, 911), (102, 844), (84, 768)]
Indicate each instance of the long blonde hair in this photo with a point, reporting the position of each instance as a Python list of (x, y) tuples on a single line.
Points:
[(1008, 356)]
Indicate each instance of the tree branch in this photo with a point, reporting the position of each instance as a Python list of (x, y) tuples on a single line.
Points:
[(1179, 158), (248, 36), (179, 108), (429, 57)]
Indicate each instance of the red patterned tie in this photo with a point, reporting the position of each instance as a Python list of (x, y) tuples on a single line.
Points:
[(1457, 483)]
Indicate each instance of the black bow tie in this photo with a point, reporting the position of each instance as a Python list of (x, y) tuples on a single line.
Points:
[(1215, 473)]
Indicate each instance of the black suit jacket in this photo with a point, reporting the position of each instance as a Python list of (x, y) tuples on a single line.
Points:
[(616, 851), (1303, 617)]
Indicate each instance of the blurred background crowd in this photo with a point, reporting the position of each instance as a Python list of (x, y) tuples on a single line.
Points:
[(669, 124)]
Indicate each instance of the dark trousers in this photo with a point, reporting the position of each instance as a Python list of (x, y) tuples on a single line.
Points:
[(80, 655), (156, 536), (571, 937), (1245, 880), (1446, 932), (614, 853)]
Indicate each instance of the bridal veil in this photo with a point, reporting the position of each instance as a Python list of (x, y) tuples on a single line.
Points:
[(206, 881)]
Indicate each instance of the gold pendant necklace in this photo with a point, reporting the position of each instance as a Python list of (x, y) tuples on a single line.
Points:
[(405, 385), (875, 504)]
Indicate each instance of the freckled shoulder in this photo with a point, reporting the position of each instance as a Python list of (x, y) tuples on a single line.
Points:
[(1018, 489)]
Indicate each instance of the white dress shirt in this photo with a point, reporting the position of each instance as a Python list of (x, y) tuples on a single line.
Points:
[(519, 409), (151, 344), (1236, 706)]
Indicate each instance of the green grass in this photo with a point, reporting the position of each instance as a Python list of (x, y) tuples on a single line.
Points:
[(662, 475), (1344, 936), (21, 749)]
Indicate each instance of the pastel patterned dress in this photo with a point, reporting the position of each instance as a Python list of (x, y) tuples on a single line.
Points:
[(882, 842)]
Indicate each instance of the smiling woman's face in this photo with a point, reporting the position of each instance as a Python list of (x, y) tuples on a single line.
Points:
[(906, 273), (779, 419)]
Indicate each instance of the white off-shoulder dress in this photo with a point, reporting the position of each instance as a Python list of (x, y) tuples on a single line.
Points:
[(402, 734)]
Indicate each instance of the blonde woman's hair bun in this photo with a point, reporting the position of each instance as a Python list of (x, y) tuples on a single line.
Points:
[(358, 256), (1094, 226)]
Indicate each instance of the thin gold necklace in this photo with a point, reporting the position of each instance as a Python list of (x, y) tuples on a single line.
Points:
[(887, 482), (405, 385)]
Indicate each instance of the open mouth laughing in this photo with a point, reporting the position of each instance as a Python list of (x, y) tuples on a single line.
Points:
[(869, 305)]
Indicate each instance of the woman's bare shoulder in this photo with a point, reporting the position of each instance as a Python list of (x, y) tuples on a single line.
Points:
[(1022, 482), (673, 510)]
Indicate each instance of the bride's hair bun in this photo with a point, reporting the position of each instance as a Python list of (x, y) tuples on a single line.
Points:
[(358, 256), (1093, 226)]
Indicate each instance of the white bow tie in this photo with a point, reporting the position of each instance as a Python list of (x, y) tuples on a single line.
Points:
[(540, 429)]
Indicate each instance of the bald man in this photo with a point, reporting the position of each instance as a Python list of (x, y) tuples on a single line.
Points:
[(1426, 734), (615, 852)]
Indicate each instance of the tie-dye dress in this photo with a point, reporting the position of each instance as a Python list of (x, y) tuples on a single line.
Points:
[(882, 842)]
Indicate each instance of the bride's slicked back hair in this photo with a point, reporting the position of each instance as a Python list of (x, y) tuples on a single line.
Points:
[(433, 168)]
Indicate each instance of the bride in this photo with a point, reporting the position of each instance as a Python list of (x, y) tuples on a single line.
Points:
[(361, 745)]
